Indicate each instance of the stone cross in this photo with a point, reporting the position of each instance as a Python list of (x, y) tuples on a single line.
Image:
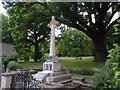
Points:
[(52, 40)]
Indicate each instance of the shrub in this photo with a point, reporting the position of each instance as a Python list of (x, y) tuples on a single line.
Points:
[(105, 78), (117, 78), (109, 76), (7, 58), (12, 65)]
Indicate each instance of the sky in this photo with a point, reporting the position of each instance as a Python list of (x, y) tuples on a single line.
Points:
[(2, 10)]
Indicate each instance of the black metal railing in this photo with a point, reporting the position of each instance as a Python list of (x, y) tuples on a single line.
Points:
[(24, 82)]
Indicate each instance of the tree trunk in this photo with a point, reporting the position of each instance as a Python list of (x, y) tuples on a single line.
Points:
[(26, 59), (37, 56), (100, 49)]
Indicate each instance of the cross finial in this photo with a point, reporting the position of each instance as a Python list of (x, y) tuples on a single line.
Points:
[(53, 21), (53, 18)]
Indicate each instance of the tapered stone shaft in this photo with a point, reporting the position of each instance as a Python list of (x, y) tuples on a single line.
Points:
[(52, 40)]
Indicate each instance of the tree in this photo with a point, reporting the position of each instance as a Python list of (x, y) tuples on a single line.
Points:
[(25, 53), (29, 25), (93, 18), (109, 76), (75, 43), (6, 32)]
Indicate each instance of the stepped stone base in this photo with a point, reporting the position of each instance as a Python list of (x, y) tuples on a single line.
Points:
[(54, 77), (58, 86), (52, 72), (59, 78), (57, 73)]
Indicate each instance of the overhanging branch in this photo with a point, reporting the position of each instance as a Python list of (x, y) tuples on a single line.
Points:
[(111, 25), (109, 19)]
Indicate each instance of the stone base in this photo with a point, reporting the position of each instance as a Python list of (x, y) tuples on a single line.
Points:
[(56, 67), (54, 58), (56, 73), (58, 86), (53, 66), (59, 79), (55, 77)]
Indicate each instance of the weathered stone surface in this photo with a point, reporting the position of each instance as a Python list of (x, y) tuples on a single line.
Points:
[(56, 66), (58, 73), (6, 79), (58, 86), (82, 79), (58, 78)]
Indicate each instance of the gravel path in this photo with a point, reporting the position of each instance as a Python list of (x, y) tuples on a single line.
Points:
[(31, 65)]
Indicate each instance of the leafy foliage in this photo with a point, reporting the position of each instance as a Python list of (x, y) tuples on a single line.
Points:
[(109, 76), (7, 58), (117, 33), (75, 43), (12, 65), (77, 15), (105, 78), (6, 32), (93, 18), (45, 55), (28, 22)]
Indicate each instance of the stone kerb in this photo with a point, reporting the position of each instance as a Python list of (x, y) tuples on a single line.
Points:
[(6, 80)]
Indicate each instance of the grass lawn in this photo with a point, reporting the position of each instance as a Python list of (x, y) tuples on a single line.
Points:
[(30, 64), (68, 62), (84, 63)]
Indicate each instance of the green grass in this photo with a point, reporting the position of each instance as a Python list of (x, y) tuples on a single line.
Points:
[(31, 62), (84, 63), (34, 67), (68, 62), (65, 58)]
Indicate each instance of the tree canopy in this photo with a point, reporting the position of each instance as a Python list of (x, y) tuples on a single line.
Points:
[(29, 25), (92, 18), (74, 43)]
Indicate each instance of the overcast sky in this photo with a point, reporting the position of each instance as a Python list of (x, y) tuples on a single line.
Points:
[(2, 10)]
